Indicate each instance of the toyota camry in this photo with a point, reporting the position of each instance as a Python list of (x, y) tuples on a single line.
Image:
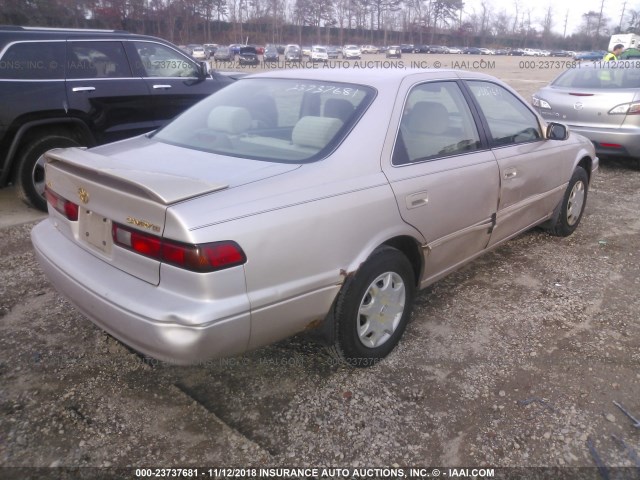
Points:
[(302, 200)]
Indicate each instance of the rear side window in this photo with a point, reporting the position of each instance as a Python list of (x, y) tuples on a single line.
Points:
[(277, 120), (33, 61), (608, 78), (97, 60), (510, 121)]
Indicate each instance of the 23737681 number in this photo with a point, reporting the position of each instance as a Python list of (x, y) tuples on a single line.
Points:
[(169, 472), (329, 89)]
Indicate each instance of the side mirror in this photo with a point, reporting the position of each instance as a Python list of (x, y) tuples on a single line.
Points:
[(557, 131), (204, 69)]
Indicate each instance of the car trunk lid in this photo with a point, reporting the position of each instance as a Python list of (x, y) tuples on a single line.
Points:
[(586, 107), (136, 193)]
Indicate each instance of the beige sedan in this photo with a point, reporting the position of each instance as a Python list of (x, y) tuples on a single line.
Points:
[(303, 200)]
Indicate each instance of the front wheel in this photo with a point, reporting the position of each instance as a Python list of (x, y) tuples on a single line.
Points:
[(573, 203), (29, 178), (373, 308)]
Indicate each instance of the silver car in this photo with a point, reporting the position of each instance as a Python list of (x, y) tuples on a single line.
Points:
[(601, 102), (302, 200), (351, 51), (199, 53)]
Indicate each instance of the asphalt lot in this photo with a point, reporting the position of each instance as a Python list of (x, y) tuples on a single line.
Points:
[(515, 360)]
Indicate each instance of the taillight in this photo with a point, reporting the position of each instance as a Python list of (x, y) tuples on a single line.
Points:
[(204, 257), (626, 109), (540, 103), (62, 205)]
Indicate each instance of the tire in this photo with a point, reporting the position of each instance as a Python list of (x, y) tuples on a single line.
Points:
[(573, 203), (29, 178), (360, 341)]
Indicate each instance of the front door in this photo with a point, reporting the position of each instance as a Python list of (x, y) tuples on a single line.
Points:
[(445, 179), (528, 193), (174, 80)]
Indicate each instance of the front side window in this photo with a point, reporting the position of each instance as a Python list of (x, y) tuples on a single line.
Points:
[(436, 122), (33, 61), (97, 60), (271, 119), (161, 61), (510, 121)]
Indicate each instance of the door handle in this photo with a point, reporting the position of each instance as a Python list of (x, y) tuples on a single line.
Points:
[(83, 89), (510, 173), (161, 87), (416, 200)]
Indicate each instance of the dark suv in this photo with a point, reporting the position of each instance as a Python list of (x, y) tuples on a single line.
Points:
[(61, 88)]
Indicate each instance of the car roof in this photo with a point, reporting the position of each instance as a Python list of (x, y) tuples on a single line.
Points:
[(10, 34), (377, 78)]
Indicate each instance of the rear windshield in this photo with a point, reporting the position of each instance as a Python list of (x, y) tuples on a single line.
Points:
[(617, 75), (271, 119)]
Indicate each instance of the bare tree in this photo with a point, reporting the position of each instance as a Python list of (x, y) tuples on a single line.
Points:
[(633, 25), (516, 18), (500, 24), (547, 25)]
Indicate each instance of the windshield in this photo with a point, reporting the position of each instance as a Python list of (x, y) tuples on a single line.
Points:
[(615, 77), (268, 119)]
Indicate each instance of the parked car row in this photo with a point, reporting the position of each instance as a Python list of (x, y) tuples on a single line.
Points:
[(232, 52)]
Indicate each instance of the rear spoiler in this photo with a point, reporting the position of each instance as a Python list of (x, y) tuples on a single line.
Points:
[(163, 188)]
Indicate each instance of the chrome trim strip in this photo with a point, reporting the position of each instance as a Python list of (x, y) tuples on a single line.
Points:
[(482, 225)]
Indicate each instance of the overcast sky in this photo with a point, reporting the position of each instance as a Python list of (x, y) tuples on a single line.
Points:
[(612, 10)]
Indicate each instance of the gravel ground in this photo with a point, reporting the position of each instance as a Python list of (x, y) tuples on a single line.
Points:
[(515, 360)]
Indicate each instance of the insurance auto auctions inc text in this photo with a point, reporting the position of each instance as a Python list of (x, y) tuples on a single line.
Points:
[(368, 64), (351, 473)]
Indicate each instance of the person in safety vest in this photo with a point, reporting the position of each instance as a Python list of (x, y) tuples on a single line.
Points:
[(613, 55)]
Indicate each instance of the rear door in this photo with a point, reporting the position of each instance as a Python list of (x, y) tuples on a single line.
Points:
[(102, 89), (444, 177)]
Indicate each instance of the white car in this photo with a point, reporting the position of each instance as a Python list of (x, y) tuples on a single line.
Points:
[(369, 49), (199, 53), (319, 54), (351, 51)]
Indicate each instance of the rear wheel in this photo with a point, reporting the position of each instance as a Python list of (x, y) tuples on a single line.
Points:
[(29, 177), (373, 308), (573, 203)]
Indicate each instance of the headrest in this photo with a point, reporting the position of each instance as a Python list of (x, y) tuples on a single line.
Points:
[(315, 132), (338, 108), (227, 119), (428, 117)]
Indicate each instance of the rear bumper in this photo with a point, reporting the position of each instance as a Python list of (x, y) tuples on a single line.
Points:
[(148, 318), (604, 139)]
